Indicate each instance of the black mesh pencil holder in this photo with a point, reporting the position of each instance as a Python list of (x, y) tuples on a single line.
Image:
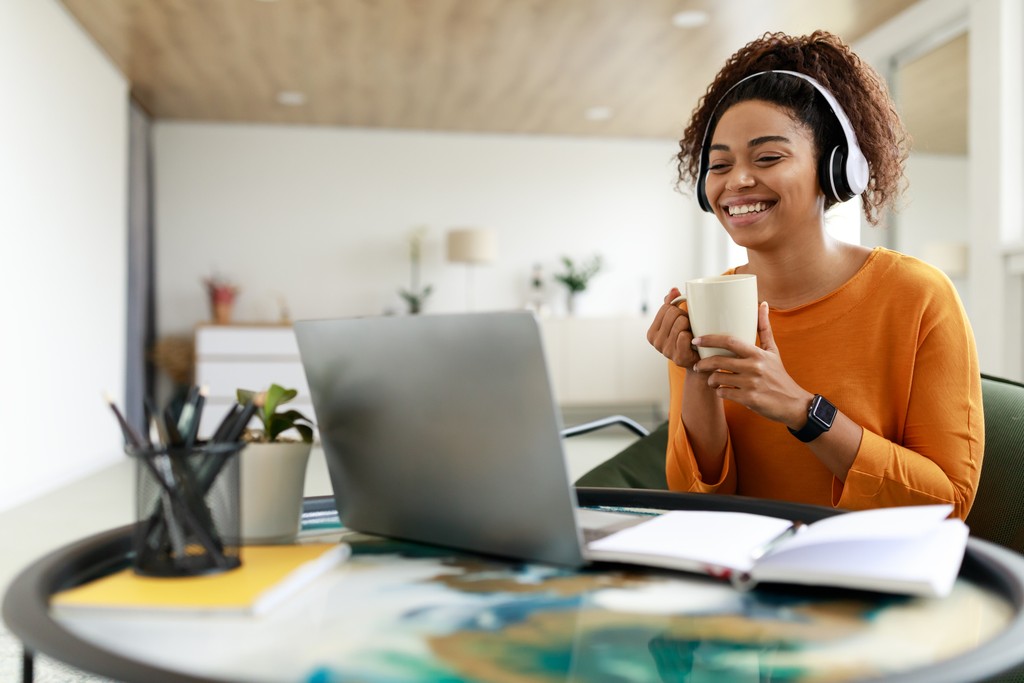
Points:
[(187, 509)]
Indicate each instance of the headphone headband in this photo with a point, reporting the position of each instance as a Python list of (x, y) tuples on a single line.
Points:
[(843, 174)]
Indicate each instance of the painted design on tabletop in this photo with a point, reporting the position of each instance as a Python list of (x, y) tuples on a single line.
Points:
[(487, 620)]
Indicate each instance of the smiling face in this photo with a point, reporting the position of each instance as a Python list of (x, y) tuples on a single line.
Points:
[(762, 179)]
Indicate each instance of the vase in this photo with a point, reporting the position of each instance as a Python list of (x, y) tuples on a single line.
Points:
[(222, 312), (571, 302)]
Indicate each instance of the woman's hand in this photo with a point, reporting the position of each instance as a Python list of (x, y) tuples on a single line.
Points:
[(756, 378), (670, 333)]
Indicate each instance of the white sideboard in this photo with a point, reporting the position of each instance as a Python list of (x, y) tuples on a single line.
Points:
[(232, 357), (604, 364)]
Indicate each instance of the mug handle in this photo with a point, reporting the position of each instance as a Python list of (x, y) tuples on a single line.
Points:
[(678, 300)]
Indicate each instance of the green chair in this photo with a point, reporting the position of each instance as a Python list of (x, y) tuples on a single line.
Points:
[(998, 511), (641, 465)]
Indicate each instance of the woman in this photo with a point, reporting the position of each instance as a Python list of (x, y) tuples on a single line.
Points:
[(863, 388)]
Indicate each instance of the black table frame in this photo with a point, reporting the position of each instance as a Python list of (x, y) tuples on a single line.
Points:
[(26, 603)]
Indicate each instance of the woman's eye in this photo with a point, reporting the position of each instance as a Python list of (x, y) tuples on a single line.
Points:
[(718, 167), (768, 158)]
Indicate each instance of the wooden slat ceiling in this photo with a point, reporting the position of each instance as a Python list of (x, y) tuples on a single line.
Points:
[(508, 66)]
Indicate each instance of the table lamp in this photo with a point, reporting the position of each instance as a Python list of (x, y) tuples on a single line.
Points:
[(471, 246)]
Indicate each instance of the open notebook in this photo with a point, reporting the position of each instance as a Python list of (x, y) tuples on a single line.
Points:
[(443, 429)]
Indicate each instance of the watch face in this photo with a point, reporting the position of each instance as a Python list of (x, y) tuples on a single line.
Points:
[(823, 412)]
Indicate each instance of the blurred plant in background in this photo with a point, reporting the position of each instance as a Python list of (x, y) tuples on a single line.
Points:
[(416, 296), (576, 278)]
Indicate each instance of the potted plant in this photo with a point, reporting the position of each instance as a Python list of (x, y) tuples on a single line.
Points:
[(222, 299), (416, 296), (577, 277), (273, 467)]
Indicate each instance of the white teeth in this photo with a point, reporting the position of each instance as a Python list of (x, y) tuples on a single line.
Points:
[(747, 208)]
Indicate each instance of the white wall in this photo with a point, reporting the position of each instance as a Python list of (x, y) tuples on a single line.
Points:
[(935, 204), (993, 228), (996, 176), (63, 139), (321, 216), (935, 210)]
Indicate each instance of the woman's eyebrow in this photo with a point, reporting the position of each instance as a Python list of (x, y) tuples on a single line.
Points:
[(719, 147), (768, 138)]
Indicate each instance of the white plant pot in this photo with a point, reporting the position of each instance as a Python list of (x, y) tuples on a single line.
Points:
[(272, 481)]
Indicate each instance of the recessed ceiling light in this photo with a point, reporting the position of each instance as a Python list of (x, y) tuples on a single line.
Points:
[(600, 113), (291, 98), (690, 18)]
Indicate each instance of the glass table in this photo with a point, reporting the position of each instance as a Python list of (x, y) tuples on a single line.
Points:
[(399, 611)]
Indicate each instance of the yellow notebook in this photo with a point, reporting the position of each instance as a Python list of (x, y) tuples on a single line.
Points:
[(268, 575)]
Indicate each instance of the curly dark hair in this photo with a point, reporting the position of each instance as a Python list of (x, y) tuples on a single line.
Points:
[(855, 85)]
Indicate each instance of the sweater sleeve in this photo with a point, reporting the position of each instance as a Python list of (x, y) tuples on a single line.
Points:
[(680, 464), (937, 458)]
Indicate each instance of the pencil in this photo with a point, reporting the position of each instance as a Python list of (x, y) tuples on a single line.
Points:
[(188, 410), (192, 429), (173, 436), (157, 437), (226, 424), (131, 437), (238, 427)]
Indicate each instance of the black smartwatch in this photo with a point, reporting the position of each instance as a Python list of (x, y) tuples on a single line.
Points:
[(820, 416)]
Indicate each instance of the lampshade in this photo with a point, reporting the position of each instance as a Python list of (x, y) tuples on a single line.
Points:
[(472, 245)]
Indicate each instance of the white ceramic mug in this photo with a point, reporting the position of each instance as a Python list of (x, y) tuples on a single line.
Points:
[(722, 304)]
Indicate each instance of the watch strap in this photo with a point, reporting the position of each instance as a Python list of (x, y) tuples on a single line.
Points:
[(820, 416)]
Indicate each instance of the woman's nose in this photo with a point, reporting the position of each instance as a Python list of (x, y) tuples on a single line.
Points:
[(738, 179)]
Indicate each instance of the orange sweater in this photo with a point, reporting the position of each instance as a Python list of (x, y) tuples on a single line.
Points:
[(893, 350)]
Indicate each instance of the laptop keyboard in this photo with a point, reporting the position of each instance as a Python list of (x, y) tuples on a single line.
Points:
[(596, 524), (590, 535)]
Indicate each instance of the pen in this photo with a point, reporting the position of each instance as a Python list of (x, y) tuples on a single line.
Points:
[(775, 542)]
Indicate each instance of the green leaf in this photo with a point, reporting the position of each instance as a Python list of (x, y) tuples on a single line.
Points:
[(275, 422), (306, 432), (276, 395), (295, 416), (282, 422), (245, 395)]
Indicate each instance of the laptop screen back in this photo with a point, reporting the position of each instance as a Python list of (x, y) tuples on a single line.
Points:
[(443, 429)]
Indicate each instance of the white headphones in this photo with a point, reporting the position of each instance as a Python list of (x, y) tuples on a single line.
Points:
[(843, 171)]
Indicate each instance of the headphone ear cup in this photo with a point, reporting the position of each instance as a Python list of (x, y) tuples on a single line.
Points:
[(702, 195), (832, 175)]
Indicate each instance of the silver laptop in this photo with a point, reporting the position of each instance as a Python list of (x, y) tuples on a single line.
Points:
[(443, 429)]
